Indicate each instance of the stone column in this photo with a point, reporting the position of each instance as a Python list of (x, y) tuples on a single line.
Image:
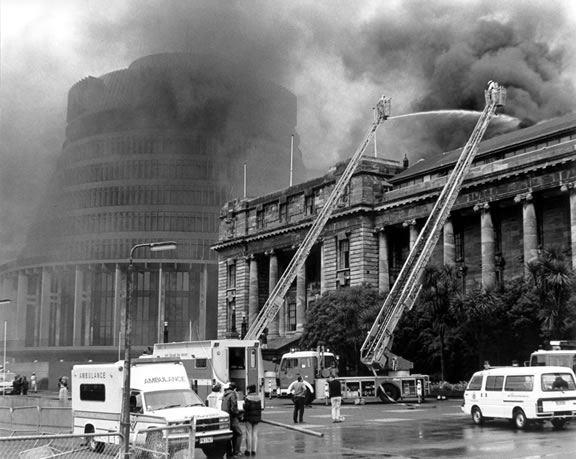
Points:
[(488, 245), (203, 304), (252, 291), (274, 329), (44, 327), (21, 305), (161, 307), (448, 243), (300, 299), (78, 307), (571, 187), (413, 231), (529, 227), (383, 262), (322, 267), (119, 304)]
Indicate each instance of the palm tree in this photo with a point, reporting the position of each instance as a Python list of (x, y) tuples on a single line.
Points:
[(437, 300), (553, 279)]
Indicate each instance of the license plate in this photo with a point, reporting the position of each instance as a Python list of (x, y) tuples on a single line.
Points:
[(204, 440), (560, 402)]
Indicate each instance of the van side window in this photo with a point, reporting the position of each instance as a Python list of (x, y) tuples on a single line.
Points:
[(494, 382), (475, 383), (519, 383), (93, 392), (200, 363)]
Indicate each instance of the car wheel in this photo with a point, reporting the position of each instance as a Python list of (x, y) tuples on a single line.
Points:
[(520, 420), (391, 392), (215, 452), (93, 445), (477, 417), (558, 423), (156, 444)]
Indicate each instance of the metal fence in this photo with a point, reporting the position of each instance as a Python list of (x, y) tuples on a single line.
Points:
[(56, 445), (166, 442)]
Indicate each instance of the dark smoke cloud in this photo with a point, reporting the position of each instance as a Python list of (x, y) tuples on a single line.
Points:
[(337, 56)]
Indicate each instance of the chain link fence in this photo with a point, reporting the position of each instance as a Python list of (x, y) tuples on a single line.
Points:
[(167, 442), (56, 445)]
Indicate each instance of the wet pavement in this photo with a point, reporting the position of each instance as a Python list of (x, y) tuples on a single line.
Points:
[(432, 429)]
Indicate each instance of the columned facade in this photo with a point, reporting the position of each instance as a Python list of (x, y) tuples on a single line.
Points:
[(519, 198)]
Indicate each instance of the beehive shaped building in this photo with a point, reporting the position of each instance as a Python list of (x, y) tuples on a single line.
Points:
[(151, 154)]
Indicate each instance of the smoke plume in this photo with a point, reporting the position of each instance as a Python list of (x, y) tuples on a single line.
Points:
[(338, 57)]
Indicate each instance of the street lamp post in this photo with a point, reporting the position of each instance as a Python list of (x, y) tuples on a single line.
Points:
[(125, 414)]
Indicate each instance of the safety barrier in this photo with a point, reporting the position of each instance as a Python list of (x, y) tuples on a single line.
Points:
[(35, 418), (164, 442), (57, 445)]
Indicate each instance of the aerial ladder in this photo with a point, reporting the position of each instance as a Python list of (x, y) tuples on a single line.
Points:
[(276, 298), (375, 351)]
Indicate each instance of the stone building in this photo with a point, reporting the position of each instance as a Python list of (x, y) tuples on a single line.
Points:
[(519, 197), (152, 152)]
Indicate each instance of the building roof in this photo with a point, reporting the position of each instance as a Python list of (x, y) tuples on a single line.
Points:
[(508, 140)]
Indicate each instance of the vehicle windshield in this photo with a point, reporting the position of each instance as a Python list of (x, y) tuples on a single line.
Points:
[(164, 399), (557, 382)]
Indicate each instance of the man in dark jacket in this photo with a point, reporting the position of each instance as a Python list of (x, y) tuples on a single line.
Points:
[(230, 405), (252, 416), (335, 394)]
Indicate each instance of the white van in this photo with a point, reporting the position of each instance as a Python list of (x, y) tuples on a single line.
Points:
[(522, 394), (160, 395)]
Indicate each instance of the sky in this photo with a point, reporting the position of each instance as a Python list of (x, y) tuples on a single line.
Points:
[(337, 56)]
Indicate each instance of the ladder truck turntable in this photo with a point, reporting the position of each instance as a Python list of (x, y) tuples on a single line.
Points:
[(396, 383)]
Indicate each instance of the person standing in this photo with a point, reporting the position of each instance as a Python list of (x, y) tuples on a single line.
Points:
[(33, 383), (24, 386), (214, 399), (335, 394), (252, 416), (230, 405), (298, 390)]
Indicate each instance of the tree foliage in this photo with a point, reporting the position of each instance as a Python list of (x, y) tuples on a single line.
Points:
[(340, 320)]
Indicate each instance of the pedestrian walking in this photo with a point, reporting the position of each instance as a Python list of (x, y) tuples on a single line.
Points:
[(33, 383), (63, 389), (25, 385), (230, 405), (335, 394), (252, 416), (214, 399), (298, 391)]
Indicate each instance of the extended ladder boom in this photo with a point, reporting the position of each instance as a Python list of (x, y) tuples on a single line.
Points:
[(276, 298), (405, 291)]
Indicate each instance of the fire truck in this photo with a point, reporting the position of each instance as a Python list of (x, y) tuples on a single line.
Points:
[(391, 379), (561, 354)]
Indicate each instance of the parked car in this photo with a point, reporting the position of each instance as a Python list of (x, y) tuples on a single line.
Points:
[(6, 382)]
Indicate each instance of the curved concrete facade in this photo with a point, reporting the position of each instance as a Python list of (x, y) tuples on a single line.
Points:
[(152, 152)]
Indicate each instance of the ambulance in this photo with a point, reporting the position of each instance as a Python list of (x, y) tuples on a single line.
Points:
[(160, 395)]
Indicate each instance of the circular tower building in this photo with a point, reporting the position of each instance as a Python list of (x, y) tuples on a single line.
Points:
[(152, 152)]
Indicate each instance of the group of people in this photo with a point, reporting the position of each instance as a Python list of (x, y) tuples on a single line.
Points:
[(250, 416), (21, 385), (299, 390)]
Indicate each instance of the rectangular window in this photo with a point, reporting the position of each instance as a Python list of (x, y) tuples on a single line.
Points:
[(344, 254), (519, 383), (200, 363), (283, 213), (93, 392), (231, 278), (475, 383), (291, 316), (309, 205), (494, 383)]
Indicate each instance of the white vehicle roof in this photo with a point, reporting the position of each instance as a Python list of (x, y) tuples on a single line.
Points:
[(536, 370), (296, 354)]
